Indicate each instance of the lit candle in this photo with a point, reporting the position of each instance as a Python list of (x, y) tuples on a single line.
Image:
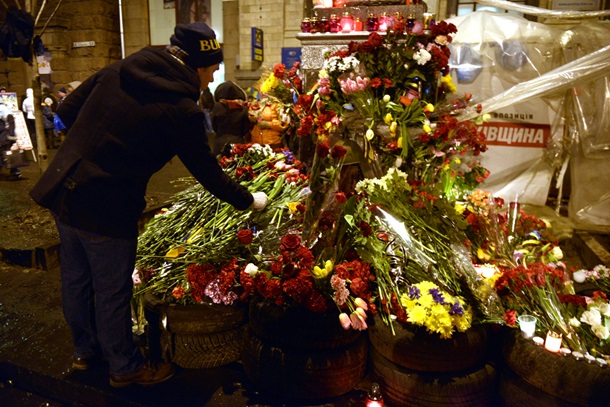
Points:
[(589, 358), (577, 355), (347, 23), (527, 323), (553, 342), (564, 351), (538, 340), (601, 362), (383, 23)]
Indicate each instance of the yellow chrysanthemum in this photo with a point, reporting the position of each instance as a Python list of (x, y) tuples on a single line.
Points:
[(388, 118), (459, 208), (427, 128), (447, 80), (418, 315), (426, 300)]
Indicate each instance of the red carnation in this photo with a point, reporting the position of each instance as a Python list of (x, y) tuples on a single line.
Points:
[(279, 70)]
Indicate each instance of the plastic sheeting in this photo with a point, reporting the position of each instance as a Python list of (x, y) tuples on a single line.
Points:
[(538, 66), (494, 54)]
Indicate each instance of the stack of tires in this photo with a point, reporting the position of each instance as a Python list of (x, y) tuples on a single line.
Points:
[(294, 354), (415, 368), (197, 336), (536, 377)]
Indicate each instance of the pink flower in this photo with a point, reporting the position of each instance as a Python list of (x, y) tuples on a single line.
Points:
[(345, 321), (358, 323), (359, 302)]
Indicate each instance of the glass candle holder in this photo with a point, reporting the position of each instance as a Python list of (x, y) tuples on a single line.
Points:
[(333, 24), (371, 22), (382, 23), (552, 342), (306, 25), (358, 25), (527, 324), (347, 23), (324, 24)]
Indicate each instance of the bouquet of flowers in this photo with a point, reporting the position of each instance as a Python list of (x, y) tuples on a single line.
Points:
[(193, 250)]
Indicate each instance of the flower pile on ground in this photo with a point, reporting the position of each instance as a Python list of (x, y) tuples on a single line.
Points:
[(195, 249)]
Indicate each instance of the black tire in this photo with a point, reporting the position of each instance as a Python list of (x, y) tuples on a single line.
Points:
[(195, 336), (203, 350), (403, 387), (412, 347), (301, 374), (563, 377), (516, 392), (205, 318), (296, 327)]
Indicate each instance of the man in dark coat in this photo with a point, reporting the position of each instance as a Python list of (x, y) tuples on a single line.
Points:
[(124, 124)]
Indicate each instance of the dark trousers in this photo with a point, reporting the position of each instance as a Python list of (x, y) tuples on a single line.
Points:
[(96, 292)]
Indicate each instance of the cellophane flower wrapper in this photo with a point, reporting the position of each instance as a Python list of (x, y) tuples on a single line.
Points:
[(418, 247), (200, 229)]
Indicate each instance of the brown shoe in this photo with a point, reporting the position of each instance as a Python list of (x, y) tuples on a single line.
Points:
[(82, 363), (150, 373)]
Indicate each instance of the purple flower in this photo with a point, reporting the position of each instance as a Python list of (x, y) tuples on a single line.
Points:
[(456, 309), (437, 295), (414, 292)]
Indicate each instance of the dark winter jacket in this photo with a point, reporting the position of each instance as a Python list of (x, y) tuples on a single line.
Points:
[(229, 115), (125, 123), (7, 131)]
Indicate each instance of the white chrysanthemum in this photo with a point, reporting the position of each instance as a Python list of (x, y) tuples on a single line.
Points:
[(592, 317), (422, 56)]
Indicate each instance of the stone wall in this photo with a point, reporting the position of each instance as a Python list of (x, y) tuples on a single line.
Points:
[(99, 21), (280, 23), (74, 21)]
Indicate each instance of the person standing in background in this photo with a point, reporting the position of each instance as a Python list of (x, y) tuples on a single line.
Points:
[(229, 115), (30, 120), (7, 136)]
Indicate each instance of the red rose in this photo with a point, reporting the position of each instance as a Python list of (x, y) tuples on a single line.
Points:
[(290, 242), (245, 236), (340, 197), (322, 149), (366, 47), (375, 39), (338, 152)]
